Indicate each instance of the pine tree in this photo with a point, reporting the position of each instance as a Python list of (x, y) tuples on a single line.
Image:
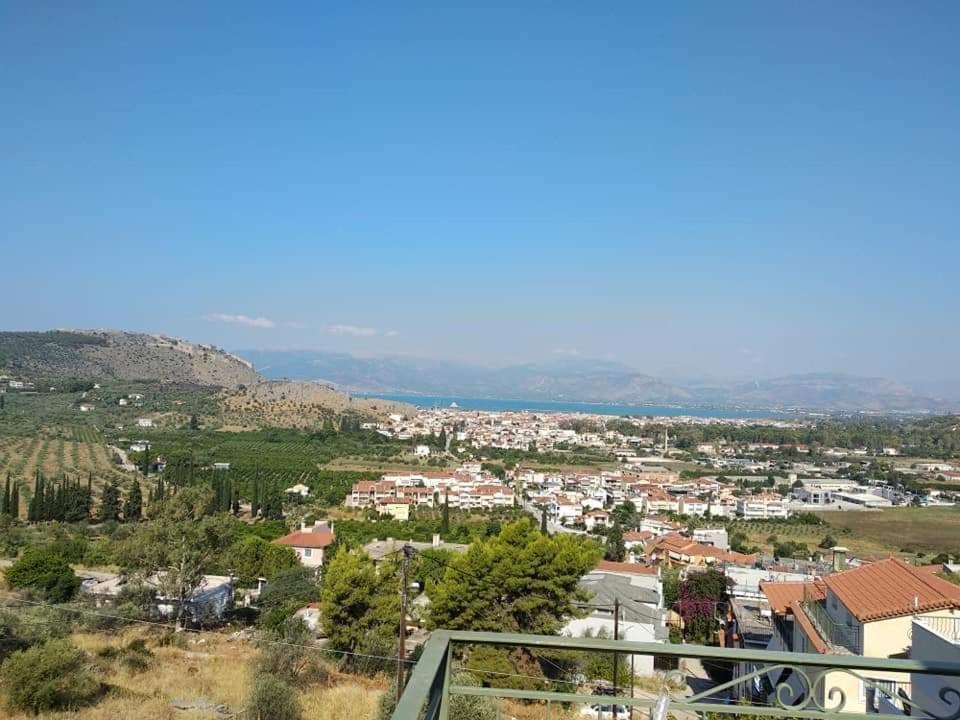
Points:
[(110, 502), (133, 507)]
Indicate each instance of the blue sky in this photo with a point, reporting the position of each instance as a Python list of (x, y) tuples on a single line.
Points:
[(724, 189)]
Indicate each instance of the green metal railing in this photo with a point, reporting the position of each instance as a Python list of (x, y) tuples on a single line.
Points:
[(799, 685), (846, 636)]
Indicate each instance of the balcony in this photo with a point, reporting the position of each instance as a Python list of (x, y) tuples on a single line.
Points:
[(836, 634), (756, 683), (946, 627)]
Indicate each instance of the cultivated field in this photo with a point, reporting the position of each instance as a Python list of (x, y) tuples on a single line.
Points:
[(21, 458), (901, 532), (929, 530)]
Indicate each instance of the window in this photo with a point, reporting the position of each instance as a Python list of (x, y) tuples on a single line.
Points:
[(307, 552)]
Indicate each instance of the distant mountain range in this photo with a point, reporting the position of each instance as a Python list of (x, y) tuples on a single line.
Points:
[(578, 379)]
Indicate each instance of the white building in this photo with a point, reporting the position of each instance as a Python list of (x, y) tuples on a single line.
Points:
[(422, 451), (761, 507), (145, 422), (640, 592)]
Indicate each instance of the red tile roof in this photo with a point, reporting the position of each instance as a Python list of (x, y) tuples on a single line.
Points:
[(624, 567), (637, 536), (781, 595), (891, 588), (306, 539)]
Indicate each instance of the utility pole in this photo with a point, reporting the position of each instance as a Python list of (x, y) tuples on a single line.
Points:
[(402, 648), (616, 656)]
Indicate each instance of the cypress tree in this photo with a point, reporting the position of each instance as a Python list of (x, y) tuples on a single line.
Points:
[(6, 508), (445, 518), (133, 507), (38, 498), (15, 501), (543, 521), (255, 499), (110, 502)]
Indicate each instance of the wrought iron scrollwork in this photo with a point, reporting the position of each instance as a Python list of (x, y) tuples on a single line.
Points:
[(821, 693)]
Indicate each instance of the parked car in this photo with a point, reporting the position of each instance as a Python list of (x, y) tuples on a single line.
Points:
[(605, 712)]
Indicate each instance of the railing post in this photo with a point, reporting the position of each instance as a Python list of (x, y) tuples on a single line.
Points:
[(445, 688)]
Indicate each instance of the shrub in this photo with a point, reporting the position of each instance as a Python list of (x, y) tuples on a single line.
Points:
[(35, 625), (52, 676), (135, 656), (170, 638), (44, 570), (284, 654), (273, 699)]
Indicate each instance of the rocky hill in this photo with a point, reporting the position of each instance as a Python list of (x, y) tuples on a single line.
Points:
[(305, 405), (113, 355)]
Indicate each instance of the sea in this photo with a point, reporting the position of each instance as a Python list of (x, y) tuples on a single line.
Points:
[(499, 405)]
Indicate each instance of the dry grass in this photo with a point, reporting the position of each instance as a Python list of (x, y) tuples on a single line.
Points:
[(357, 701), (211, 668)]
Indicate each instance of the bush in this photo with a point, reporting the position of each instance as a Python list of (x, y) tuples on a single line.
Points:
[(34, 625), (43, 569), (286, 654), (135, 656), (170, 638), (273, 699), (52, 676)]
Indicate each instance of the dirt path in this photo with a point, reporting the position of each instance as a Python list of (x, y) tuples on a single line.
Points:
[(124, 459)]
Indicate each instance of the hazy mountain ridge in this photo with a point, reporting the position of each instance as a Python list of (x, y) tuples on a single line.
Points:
[(578, 379)]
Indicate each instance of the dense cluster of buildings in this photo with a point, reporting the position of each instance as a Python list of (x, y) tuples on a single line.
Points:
[(468, 487)]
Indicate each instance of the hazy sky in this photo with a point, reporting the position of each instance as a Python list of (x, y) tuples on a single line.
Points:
[(712, 188)]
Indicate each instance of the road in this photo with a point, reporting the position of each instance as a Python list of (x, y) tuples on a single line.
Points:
[(124, 459)]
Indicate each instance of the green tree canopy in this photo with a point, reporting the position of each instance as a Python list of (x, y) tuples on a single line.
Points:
[(518, 581), (52, 676), (252, 557), (133, 506), (43, 568), (616, 549), (359, 606), (181, 544)]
